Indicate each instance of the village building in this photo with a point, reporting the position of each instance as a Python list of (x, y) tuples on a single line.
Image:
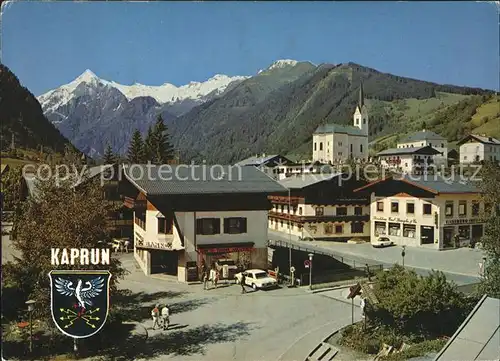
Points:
[(279, 167), (193, 215), (426, 138), (334, 143), (415, 160), (479, 148), (431, 212), (322, 207)]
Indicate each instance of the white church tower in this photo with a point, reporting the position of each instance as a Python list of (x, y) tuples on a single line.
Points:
[(361, 113)]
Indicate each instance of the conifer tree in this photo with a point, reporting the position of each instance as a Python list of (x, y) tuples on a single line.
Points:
[(109, 156), (162, 149), (135, 152), (148, 145)]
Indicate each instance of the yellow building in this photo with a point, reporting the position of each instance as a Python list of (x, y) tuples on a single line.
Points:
[(428, 211)]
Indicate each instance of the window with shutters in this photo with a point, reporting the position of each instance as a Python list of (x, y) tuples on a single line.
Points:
[(208, 226), (235, 225), (357, 227)]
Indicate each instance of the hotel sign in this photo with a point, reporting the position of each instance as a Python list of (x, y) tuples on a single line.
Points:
[(395, 219), (141, 243), (462, 221)]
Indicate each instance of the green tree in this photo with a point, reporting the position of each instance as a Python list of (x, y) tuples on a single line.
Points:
[(109, 156), (57, 217), (148, 144), (161, 149), (135, 152), (490, 283), (412, 304), (11, 188)]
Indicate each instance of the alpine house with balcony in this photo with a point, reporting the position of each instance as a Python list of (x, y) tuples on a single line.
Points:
[(190, 215), (322, 207), (431, 212)]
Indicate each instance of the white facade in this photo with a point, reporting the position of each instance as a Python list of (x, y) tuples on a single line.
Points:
[(441, 145), (476, 151), (407, 163), (336, 143), (148, 239), (427, 222)]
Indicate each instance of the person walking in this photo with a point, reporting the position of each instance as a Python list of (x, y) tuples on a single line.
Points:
[(155, 314), (206, 276), (243, 278), (216, 280), (165, 317)]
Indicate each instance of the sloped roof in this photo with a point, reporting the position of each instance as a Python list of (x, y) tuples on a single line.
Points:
[(337, 128), (4, 168), (257, 160), (410, 150), (480, 139), (432, 183), (478, 337), (422, 135), (300, 181), (198, 179)]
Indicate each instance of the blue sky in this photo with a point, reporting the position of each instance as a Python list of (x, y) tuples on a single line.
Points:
[(47, 44)]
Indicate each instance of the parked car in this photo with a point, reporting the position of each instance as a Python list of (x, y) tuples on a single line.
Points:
[(226, 272), (257, 279), (382, 242)]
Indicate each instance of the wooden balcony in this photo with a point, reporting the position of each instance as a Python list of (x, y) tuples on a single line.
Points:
[(286, 200), (319, 219)]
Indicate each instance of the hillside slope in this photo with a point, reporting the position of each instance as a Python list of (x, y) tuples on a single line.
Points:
[(22, 115), (243, 122)]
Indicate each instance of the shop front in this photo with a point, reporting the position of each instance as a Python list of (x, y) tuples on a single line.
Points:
[(240, 253)]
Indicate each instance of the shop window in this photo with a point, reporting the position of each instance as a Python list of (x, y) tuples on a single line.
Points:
[(341, 211), (380, 229), (427, 209), (394, 207), (475, 208), (328, 228), (394, 229), (339, 229), (235, 225), (358, 211), (409, 230), (208, 226), (462, 208), (380, 206), (319, 211), (448, 210), (464, 232), (410, 208), (357, 227)]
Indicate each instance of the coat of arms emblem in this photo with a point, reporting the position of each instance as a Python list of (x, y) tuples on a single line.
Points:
[(79, 301)]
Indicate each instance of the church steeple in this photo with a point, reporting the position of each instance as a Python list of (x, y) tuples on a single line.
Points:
[(361, 100)]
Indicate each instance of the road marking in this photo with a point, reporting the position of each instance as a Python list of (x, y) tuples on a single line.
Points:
[(308, 333)]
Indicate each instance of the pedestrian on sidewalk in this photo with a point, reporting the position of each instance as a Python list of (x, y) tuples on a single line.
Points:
[(216, 280), (155, 314), (243, 278), (165, 316), (206, 276)]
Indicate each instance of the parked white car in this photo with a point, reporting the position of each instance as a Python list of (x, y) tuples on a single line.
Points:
[(382, 242), (257, 279)]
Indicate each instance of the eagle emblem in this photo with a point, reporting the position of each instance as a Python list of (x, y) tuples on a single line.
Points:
[(80, 301)]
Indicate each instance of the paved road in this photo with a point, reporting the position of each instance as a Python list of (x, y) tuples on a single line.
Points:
[(222, 324), (460, 265)]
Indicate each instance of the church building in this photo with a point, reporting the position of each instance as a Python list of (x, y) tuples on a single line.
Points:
[(334, 143)]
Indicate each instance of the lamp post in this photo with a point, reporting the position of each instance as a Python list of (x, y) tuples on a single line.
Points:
[(31, 308), (403, 254), (310, 270)]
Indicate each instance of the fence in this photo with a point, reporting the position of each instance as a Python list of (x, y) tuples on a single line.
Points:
[(340, 275)]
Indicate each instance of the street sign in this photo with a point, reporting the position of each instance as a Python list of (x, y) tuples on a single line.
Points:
[(307, 263)]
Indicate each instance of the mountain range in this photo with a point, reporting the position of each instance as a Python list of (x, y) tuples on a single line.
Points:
[(225, 119)]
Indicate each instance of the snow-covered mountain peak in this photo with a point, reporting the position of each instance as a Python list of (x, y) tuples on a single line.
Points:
[(283, 63)]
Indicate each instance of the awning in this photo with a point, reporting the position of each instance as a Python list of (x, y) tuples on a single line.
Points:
[(225, 247)]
